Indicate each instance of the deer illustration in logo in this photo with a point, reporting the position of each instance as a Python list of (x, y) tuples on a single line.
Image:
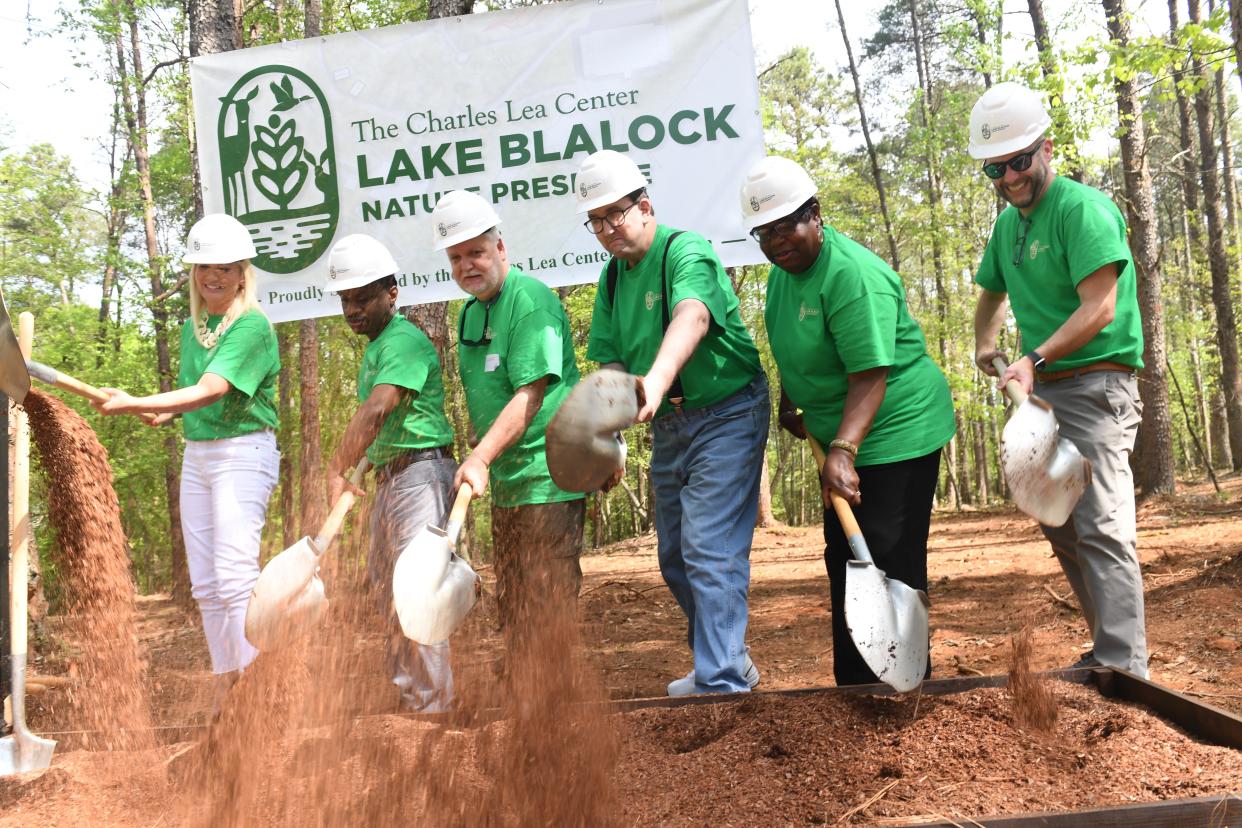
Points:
[(234, 151)]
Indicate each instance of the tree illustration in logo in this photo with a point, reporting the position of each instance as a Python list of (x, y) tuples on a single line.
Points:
[(280, 171)]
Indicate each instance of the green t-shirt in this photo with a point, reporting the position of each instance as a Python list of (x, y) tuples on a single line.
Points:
[(527, 338), (847, 313), (403, 356), (1073, 231), (631, 330), (248, 358)]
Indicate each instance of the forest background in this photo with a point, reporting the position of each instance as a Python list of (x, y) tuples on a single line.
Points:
[(881, 125)]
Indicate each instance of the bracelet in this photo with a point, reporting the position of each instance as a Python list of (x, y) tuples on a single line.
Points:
[(846, 446)]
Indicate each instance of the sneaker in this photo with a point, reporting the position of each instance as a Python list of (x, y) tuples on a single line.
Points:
[(685, 686), (1087, 660)]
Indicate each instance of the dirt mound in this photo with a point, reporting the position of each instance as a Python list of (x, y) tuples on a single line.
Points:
[(109, 697)]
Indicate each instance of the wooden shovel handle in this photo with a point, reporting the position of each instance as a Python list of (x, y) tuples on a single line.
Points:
[(20, 560), (1012, 388), (332, 525), (458, 515), (59, 379), (853, 533)]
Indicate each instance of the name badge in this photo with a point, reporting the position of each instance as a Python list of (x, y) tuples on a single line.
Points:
[(491, 362)]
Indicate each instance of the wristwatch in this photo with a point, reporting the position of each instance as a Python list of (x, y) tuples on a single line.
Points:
[(1037, 360)]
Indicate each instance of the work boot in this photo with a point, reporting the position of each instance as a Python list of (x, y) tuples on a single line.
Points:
[(685, 686), (1087, 660)]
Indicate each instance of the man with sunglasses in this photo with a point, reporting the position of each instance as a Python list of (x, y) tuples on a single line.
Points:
[(516, 358), (666, 311), (401, 427), (855, 362), (1059, 255)]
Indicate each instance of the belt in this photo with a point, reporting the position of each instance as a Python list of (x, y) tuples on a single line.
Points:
[(406, 459), (1074, 373)]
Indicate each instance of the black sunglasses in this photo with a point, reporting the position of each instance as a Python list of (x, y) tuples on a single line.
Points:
[(1019, 163), (1020, 243), (461, 325), (784, 227)]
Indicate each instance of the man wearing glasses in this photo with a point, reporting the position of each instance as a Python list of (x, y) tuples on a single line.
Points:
[(855, 362), (666, 311), (1059, 254), (516, 358)]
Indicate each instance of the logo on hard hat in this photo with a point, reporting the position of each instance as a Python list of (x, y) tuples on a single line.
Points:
[(332, 271), (754, 204), (441, 229), (987, 130), (582, 190), (197, 245)]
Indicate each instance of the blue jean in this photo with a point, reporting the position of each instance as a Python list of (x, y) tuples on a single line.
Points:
[(705, 467), (416, 496)]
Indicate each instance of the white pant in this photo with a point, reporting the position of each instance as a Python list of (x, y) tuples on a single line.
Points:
[(225, 486)]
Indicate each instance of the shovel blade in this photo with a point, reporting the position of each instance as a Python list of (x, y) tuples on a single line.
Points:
[(887, 621), (288, 599), (1045, 472), (433, 589), (24, 752), (583, 444)]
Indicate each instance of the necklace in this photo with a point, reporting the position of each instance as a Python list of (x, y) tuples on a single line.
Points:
[(207, 338)]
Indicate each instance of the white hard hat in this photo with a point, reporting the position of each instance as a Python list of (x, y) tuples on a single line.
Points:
[(358, 260), (459, 216), (604, 177), (1006, 118), (218, 239), (774, 188)]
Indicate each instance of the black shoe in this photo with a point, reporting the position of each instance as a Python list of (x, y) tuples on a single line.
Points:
[(1087, 660)]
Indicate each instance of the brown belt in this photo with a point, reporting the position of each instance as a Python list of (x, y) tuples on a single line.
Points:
[(1073, 373), (404, 460)]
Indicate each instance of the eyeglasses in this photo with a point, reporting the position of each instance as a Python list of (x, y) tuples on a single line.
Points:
[(1023, 226), (615, 219), (784, 227), (461, 325), (1019, 163)]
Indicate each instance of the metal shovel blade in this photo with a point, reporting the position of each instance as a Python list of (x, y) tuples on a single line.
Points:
[(14, 378), (433, 589), (1046, 473), (584, 447), (887, 621), (22, 751), (287, 597)]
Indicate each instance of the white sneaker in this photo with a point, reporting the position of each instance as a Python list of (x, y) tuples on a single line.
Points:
[(685, 686)]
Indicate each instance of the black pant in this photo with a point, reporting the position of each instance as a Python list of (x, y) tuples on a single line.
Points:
[(895, 517)]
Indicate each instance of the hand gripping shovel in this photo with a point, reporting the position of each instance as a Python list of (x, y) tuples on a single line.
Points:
[(288, 598), (22, 751), (887, 619), (584, 444), (49, 375), (433, 588), (1046, 473)]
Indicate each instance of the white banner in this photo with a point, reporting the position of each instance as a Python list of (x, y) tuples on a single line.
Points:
[(308, 141)]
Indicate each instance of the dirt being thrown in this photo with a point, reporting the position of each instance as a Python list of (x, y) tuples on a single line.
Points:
[(109, 697), (1034, 706)]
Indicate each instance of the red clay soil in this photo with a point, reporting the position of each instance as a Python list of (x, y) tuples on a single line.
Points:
[(313, 738)]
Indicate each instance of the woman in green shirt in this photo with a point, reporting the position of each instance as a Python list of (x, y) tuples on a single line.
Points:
[(854, 361), (227, 382)]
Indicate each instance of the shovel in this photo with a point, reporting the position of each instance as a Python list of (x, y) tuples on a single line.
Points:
[(49, 375), (887, 619), (22, 751), (288, 598), (433, 588), (1046, 473), (584, 444)]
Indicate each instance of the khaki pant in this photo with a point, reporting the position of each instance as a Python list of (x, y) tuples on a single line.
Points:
[(537, 549), (1100, 413)]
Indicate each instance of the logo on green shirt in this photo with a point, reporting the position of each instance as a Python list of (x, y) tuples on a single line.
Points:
[(278, 164), (1037, 247), (804, 311), (651, 298)]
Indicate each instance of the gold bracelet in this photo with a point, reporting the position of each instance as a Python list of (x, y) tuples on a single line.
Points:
[(846, 446)]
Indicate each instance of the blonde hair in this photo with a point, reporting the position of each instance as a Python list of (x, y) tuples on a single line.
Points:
[(247, 299)]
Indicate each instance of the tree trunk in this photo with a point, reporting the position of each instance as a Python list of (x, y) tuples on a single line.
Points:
[(213, 28), (1062, 128), (766, 518), (288, 487), (136, 122), (981, 462), (1190, 171), (1226, 151), (871, 153), (1218, 261), (117, 220), (1155, 469), (1223, 456)]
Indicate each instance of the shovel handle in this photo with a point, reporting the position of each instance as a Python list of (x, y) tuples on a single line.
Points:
[(332, 525), (49, 375), (1012, 388), (853, 533), (458, 515)]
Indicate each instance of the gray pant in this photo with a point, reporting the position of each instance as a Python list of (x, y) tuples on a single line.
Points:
[(418, 495), (1100, 413)]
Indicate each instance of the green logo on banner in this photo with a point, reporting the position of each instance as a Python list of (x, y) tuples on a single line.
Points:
[(279, 166)]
